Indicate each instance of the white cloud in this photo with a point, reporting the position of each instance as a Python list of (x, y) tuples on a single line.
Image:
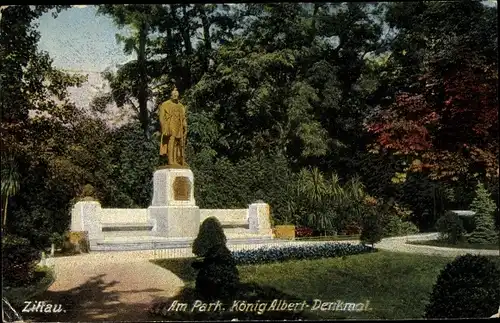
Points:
[(80, 6)]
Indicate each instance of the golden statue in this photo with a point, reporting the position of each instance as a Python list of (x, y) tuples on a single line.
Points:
[(173, 130)]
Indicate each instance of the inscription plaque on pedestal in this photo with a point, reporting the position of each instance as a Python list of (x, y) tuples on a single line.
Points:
[(182, 188)]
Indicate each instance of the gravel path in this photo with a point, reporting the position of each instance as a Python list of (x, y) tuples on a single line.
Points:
[(119, 286), (107, 287), (399, 244)]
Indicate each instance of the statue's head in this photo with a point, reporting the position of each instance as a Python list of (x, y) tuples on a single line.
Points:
[(175, 94)]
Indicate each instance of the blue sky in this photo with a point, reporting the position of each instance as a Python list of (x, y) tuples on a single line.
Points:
[(79, 40)]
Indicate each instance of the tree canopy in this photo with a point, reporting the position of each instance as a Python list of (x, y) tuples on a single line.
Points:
[(396, 99)]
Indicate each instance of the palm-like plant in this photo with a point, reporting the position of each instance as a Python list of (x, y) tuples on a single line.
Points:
[(322, 197), (337, 194), (357, 206), (9, 186), (312, 185), (329, 203)]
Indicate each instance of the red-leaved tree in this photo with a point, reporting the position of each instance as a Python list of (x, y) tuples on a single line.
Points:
[(448, 126)]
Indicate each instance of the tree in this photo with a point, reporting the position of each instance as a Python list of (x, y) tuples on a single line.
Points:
[(485, 208), (444, 119), (34, 105), (9, 187), (320, 200), (277, 89), (372, 230), (133, 79)]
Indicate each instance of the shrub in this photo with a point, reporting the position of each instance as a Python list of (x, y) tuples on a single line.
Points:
[(450, 227), (302, 232), (57, 239), (88, 193), (372, 228), (211, 234), (468, 287), (396, 223), (352, 229), (218, 277), (395, 226), (19, 261), (75, 242), (408, 228), (484, 206), (284, 253), (44, 277)]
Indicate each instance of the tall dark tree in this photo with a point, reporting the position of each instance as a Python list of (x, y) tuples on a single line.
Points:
[(36, 117), (131, 83)]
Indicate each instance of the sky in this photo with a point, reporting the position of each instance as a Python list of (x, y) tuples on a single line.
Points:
[(80, 40)]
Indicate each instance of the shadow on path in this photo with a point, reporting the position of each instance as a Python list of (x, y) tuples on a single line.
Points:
[(94, 300)]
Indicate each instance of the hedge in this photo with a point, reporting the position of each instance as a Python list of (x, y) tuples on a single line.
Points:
[(19, 259), (17, 295), (313, 251)]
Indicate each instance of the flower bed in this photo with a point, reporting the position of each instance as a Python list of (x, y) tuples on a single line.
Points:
[(315, 251), (302, 232)]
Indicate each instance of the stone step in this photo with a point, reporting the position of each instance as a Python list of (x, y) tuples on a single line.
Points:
[(128, 226), (151, 243), (235, 231), (234, 224), (134, 233)]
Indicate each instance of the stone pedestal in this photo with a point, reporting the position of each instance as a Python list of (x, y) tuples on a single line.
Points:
[(173, 211), (259, 219), (86, 216), (175, 221), (173, 187)]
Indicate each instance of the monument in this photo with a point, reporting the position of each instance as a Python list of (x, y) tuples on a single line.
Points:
[(172, 115), (173, 210), (173, 218)]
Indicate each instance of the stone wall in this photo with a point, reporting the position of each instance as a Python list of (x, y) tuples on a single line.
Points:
[(118, 216), (225, 216), (89, 216)]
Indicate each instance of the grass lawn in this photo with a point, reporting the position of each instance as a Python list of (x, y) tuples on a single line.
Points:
[(460, 245), (397, 285)]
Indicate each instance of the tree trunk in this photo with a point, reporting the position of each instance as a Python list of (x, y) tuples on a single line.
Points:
[(313, 23), (206, 35), (169, 49), (206, 27), (143, 79), (186, 32), (5, 212), (170, 42)]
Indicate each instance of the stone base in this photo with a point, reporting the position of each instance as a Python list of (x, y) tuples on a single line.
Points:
[(175, 221), (173, 187), (259, 219)]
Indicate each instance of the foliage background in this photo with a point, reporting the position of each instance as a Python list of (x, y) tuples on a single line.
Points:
[(311, 107)]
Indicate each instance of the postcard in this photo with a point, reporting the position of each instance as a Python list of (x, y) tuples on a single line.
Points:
[(249, 161)]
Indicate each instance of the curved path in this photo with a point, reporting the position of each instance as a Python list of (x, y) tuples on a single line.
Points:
[(107, 286), (399, 244), (119, 286)]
